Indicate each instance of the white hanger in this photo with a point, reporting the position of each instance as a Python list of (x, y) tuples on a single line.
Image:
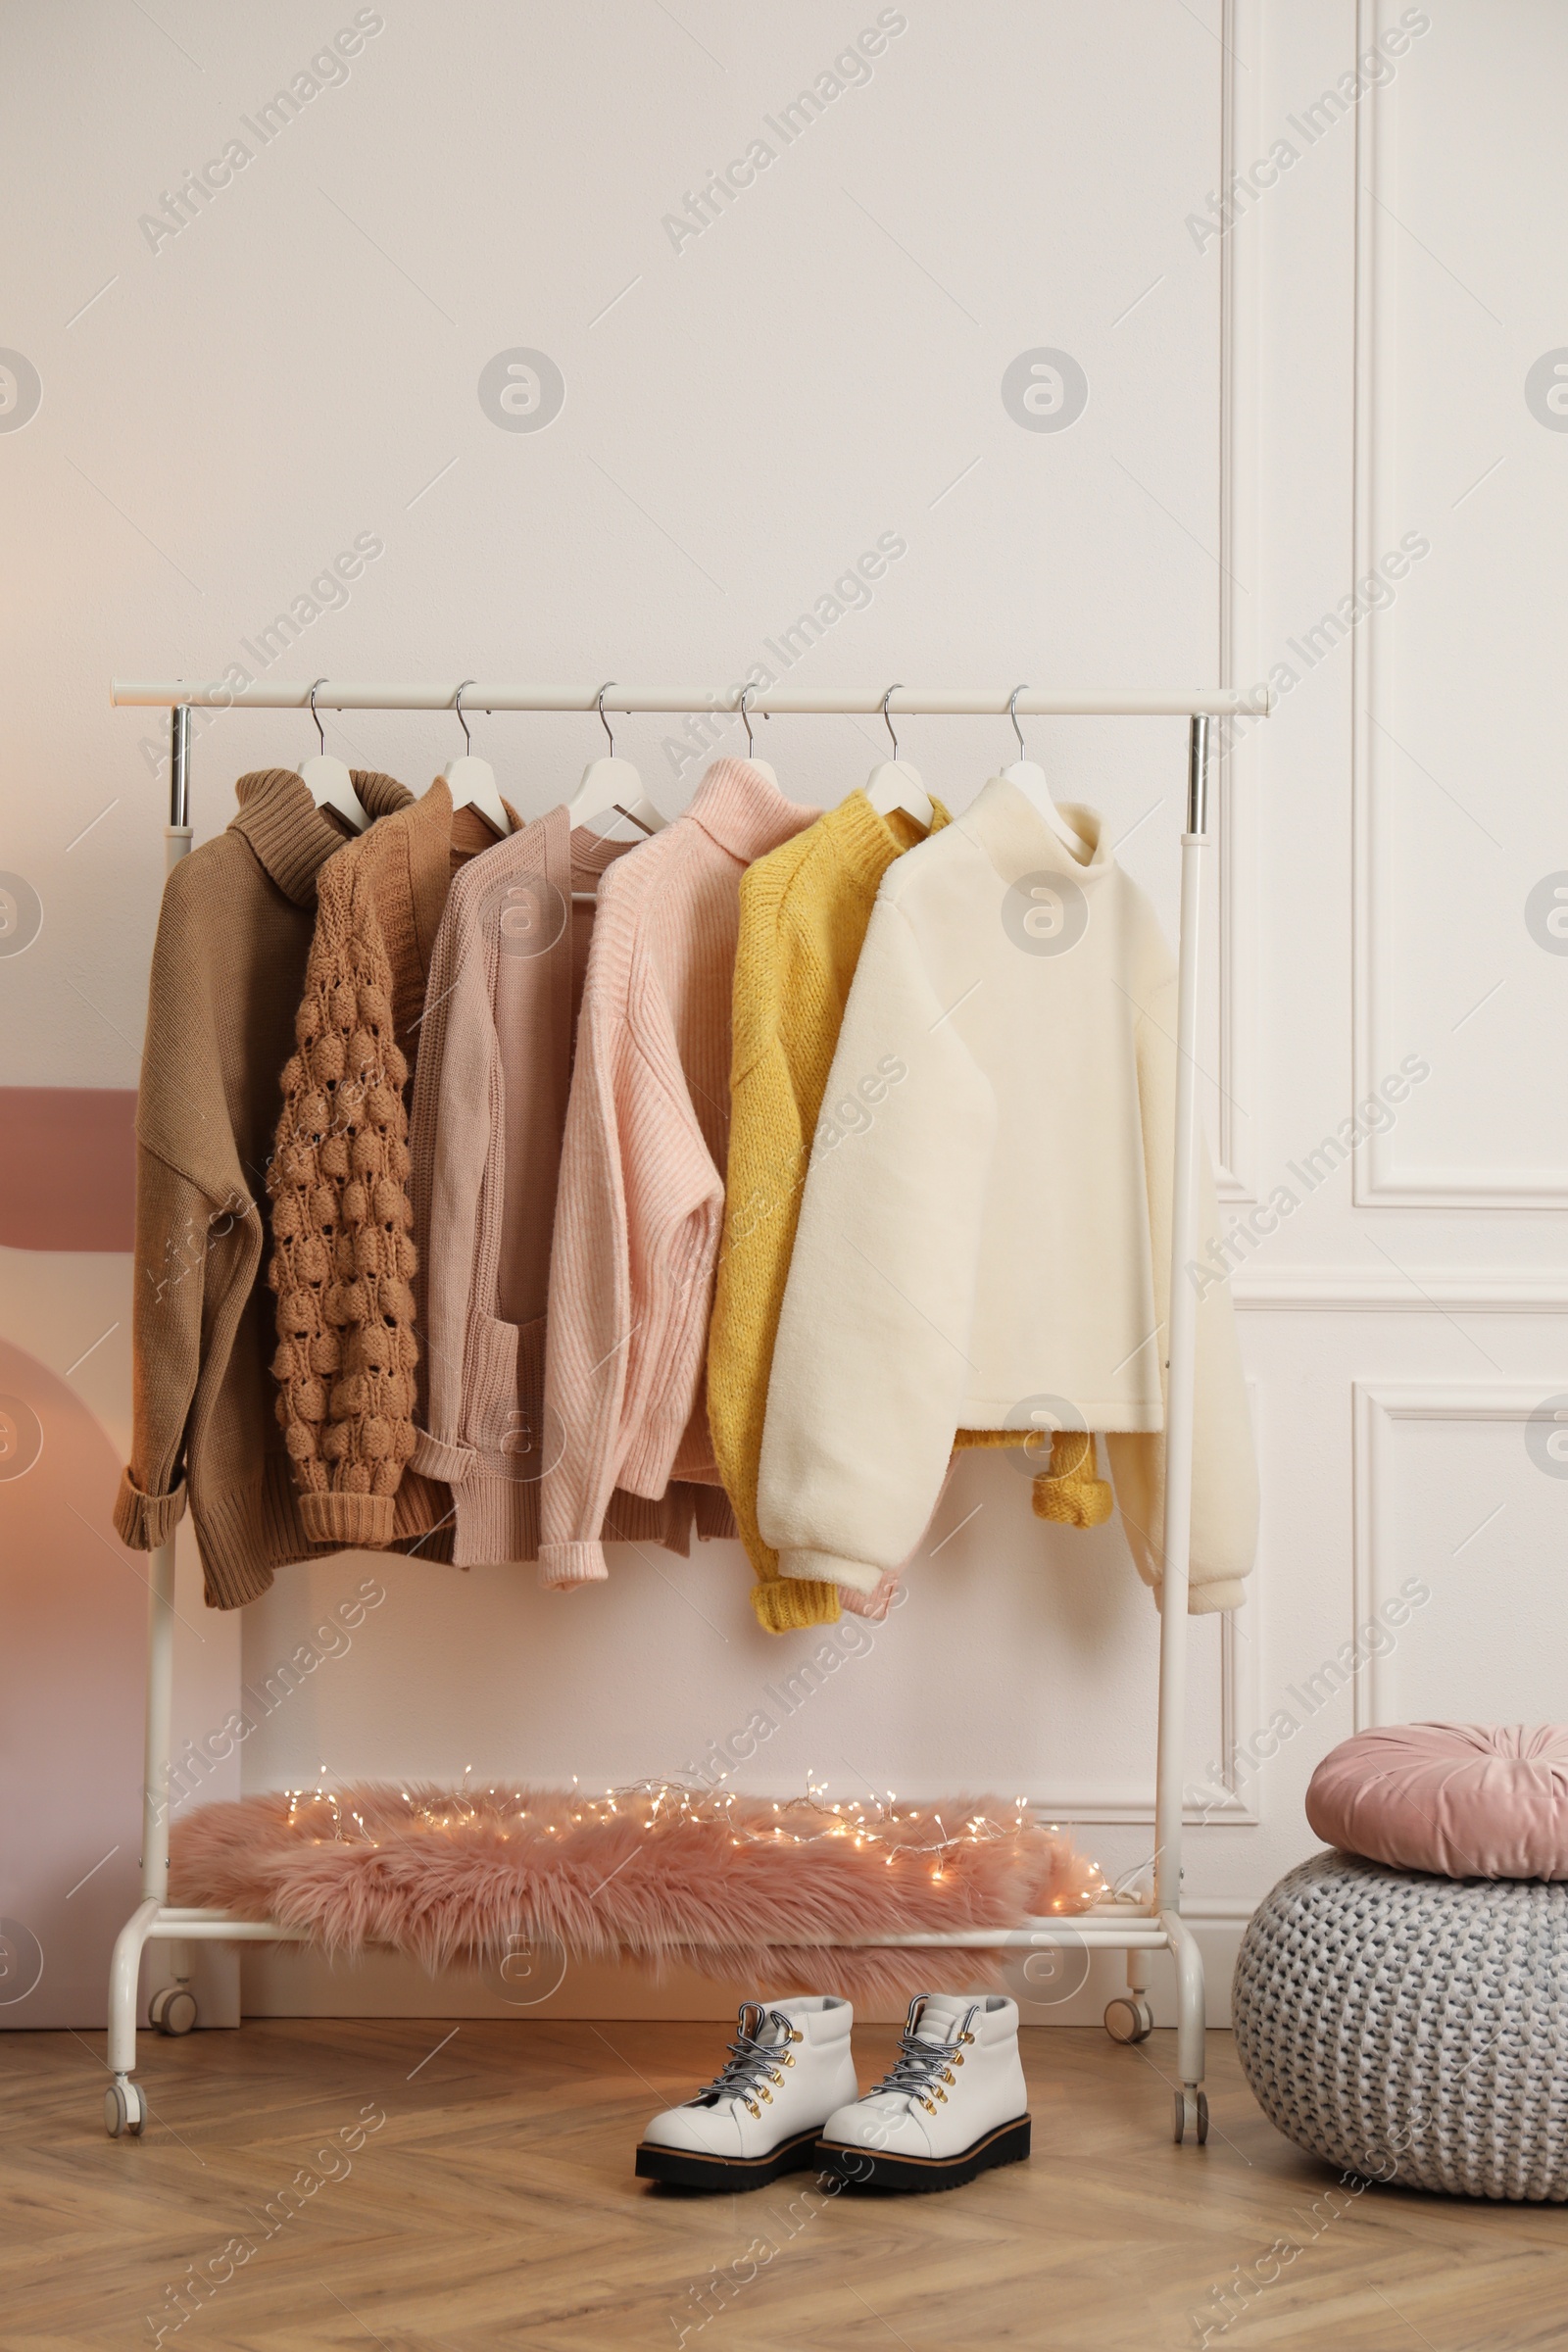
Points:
[(473, 781), (893, 783), (612, 784), (762, 766), (328, 781), (1030, 778)]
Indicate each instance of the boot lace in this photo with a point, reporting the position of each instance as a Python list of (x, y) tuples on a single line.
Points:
[(753, 2065), (924, 2065)]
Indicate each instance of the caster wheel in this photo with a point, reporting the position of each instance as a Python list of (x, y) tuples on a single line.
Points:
[(124, 2110), (1128, 2018), (1192, 2116), (172, 2010)]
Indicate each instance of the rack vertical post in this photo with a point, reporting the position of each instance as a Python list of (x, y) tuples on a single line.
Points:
[(124, 2103), (1181, 1337)]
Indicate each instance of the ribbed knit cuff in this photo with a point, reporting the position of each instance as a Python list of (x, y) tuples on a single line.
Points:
[(1207, 1600), (826, 1567), (433, 1457), (564, 1565), (144, 1521), (352, 1522), (787, 1604), (873, 1605)]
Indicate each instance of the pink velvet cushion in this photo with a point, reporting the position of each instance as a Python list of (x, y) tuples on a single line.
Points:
[(1468, 1800)]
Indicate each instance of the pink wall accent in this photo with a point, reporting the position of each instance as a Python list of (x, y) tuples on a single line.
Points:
[(67, 1167), (73, 1602)]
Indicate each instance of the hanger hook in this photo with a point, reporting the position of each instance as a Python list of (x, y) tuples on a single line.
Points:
[(746, 716), (457, 704), (321, 731), (1012, 713), (887, 720), (598, 704)]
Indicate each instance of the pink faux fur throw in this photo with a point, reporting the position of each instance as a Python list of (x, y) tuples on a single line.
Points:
[(739, 1887)]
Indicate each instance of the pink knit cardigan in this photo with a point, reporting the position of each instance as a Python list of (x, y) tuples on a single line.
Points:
[(489, 1111), (641, 1202)]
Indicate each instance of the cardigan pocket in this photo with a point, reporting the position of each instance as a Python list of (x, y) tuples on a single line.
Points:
[(511, 1428)]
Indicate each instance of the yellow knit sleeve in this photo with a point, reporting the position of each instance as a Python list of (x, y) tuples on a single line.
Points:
[(342, 1260), (769, 1152)]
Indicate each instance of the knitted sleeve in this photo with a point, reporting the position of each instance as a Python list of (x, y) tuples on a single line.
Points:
[(770, 1140), (638, 1217), (198, 1240), (589, 1314), (173, 1222), (455, 1110), (342, 1260)]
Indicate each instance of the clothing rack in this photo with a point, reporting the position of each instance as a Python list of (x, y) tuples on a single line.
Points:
[(1135, 1928)]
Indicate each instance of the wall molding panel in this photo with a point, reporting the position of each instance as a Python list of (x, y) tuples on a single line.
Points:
[(1240, 627), (1376, 1407), (1380, 1180), (1333, 1290)]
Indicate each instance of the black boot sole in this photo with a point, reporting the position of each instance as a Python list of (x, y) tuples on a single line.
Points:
[(864, 2168), (683, 2167)]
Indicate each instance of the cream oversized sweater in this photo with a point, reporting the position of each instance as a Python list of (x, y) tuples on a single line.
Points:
[(988, 1248), (641, 1202)]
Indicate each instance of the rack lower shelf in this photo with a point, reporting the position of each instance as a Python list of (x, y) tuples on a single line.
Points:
[(1135, 1930), (1122, 1929)]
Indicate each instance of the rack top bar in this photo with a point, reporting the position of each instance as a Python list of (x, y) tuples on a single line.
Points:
[(1214, 701)]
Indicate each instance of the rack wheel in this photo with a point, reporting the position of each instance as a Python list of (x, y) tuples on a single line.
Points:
[(172, 2010), (1128, 2018), (124, 2110), (1192, 2116)]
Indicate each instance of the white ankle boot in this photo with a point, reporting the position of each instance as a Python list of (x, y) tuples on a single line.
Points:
[(954, 2103), (789, 2067)]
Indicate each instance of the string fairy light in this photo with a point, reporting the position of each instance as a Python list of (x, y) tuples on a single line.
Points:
[(655, 1805)]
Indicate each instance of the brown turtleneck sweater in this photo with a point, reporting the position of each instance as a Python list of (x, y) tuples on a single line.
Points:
[(228, 968)]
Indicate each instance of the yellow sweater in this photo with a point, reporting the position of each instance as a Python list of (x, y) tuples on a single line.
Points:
[(804, 908)]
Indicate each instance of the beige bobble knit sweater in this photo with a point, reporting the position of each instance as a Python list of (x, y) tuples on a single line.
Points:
[(343, 1259)]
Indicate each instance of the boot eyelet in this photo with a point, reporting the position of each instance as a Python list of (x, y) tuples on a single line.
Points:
[(947, 2072), (756, 2110), (796, 2035), (942, 2095), (787, 2057), (765, 2092), (966, 2037), (929, 2105), (774, 2075)]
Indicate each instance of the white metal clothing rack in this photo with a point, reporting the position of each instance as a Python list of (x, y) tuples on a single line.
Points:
[(1135, 1929)]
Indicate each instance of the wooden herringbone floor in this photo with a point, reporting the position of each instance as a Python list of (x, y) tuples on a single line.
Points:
[(343, 2185)]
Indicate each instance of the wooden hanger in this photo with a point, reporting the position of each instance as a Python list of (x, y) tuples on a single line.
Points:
[(328, 778), (472, 782), (612, 784)]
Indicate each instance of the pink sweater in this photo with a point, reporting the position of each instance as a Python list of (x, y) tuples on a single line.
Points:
[(641, 1204), (489, 1110)]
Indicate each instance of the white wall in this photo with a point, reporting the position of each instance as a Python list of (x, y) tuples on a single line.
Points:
[(742, 417)]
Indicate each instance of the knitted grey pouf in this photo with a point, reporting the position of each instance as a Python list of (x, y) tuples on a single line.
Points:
[(1412, 2028)]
